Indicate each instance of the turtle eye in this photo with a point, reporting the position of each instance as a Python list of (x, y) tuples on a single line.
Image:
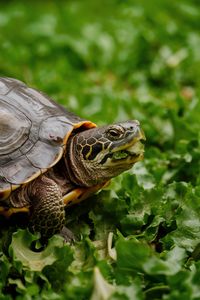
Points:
[(115, 133)]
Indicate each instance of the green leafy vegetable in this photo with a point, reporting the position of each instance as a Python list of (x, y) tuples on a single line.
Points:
[(36, 261)]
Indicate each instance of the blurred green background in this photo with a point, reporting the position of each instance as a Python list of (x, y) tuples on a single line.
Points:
[(105, 59), (109, 61)]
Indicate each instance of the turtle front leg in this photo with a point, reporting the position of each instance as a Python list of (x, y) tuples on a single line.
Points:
[(47, 213)]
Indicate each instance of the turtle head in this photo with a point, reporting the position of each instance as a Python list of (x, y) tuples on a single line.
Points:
[(98, 154)]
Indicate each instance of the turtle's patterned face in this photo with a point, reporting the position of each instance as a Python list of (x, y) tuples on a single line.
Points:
[(114, 145), (91, 147), (104, 152)]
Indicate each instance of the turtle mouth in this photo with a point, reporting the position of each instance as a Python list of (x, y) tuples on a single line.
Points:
[(124, 156), (131, 154)]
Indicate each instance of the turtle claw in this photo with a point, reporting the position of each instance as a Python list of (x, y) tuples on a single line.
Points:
[(68, 235)]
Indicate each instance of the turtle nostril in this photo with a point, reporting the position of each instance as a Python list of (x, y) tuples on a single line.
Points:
[(133, 125)]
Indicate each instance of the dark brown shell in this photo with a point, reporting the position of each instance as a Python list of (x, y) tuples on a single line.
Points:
[(33, 133)]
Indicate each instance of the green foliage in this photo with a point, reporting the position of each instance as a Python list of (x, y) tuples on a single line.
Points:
[(109, 61)]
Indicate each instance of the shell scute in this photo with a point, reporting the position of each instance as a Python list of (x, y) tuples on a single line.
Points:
[(5, 187), (7, 84), (43, 155), (19, 170), (14, 128), (58, 126)]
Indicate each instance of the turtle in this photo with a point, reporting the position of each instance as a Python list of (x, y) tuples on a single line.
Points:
[(50, 158)]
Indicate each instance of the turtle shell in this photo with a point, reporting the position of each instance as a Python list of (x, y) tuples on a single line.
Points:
[(33, 133)]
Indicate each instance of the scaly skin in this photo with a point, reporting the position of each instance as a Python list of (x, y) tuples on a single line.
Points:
[(48, 209)]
